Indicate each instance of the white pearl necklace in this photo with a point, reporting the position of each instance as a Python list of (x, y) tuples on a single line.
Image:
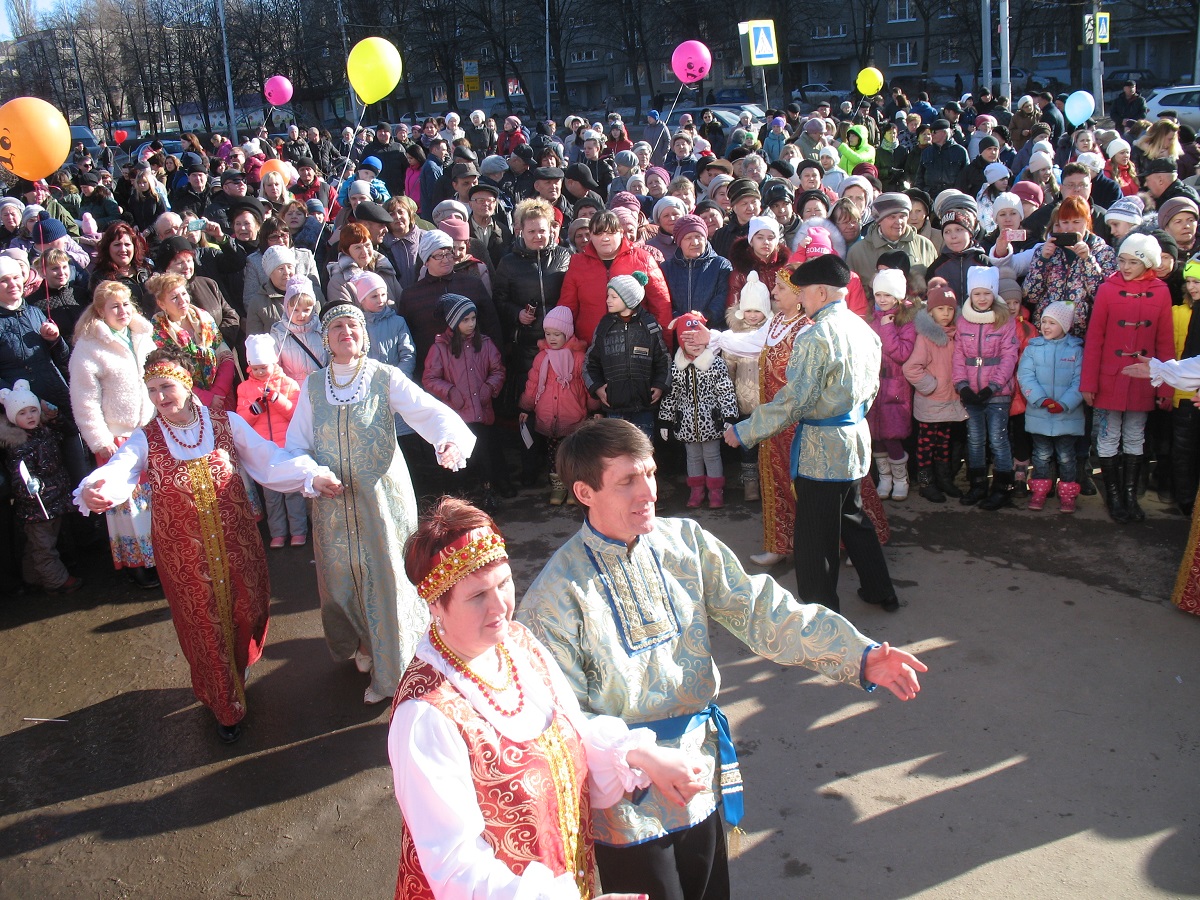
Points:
[(357, 383)]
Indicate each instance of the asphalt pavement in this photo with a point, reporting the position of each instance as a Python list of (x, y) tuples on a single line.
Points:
[(1054, 750)]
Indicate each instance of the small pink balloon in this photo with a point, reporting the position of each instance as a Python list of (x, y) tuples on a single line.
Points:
[(277, 90), (691, 61)]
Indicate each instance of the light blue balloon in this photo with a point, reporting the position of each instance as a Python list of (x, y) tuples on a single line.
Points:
[(1079, 107)]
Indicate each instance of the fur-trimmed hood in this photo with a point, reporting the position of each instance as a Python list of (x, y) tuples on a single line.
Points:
[(931, 330), (11, 436)]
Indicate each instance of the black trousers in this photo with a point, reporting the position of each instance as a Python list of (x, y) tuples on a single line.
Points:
[(829, 514), (684, 865)]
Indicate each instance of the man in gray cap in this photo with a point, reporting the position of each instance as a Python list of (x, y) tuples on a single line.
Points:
[(891, 231)]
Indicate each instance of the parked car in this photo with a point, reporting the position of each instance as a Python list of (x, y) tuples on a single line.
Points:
[(1114, 80), (758, 115), (732, 95), (727, 117), (815, 93), (1023, 80), (1184, 99), (172, 148)]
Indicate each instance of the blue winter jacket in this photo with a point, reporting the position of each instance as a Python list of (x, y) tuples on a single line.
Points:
[(392, 345), (1052, 369), (700, 285)]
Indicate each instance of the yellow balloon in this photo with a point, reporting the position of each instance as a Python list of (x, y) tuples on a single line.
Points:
[(869, 81), (374, 68), (35, 139)]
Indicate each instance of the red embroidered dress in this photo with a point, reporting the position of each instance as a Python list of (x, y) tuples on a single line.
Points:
[(533, 795), (211, 563)]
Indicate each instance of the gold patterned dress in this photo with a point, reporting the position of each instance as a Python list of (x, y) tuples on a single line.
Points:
[(207, 545)]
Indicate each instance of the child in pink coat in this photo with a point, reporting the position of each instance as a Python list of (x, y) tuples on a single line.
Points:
[(890, 416), (555, 394), (464, 371), (266, 400)]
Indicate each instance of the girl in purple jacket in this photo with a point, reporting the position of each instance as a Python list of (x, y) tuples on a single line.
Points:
[(464, 371), (890, 417), (985, 359)]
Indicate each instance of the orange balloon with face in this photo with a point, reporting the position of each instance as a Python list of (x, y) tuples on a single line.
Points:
[(35, 139)]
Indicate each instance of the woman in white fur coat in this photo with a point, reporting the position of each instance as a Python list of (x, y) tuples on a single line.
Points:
[(109, 399)]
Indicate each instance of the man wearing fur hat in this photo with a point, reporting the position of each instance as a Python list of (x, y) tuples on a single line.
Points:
[(832, 379)]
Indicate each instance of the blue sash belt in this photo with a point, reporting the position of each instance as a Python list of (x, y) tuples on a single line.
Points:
[(853, 417), (674, 728)]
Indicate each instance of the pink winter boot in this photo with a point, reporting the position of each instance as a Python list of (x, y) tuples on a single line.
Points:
[(716, 493), (1041, 490), (696, 497), (1067, 492)]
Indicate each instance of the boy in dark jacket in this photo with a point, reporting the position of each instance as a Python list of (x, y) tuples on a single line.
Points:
[(628, 368)]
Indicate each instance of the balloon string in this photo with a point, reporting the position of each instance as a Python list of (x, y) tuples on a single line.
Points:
[(342, 177), (667, 120)]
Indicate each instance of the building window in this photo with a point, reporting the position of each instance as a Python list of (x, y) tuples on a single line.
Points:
[(514, 88), (902, 53), (584, 56), (949, 52), (463, 93), (898, 11), (514, 52), (1046, 43), (489, 90), (628, 77), (666, 75), (826, 32), (553, 83), (437, 93), (734, 68)]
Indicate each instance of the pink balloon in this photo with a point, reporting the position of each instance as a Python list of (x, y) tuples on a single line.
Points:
[(277, 90), (691, 61)]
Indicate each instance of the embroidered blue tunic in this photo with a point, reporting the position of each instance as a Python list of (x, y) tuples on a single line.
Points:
[(630, 629)]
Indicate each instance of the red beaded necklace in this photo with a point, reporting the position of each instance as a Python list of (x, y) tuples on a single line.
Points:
[(458, 665)]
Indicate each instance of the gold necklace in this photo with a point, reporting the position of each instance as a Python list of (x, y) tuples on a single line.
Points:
[(353, 378)]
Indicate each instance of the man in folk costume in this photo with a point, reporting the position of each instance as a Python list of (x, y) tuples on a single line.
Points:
[(832, 377), (625, 607)]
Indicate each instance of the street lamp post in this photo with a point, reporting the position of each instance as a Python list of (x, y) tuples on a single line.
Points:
[(233, 134), (548, 115)]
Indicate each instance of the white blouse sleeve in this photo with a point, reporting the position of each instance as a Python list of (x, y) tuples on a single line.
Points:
[(428, 416), (270, 465), (431, 771), (299, 437), (1183, 374), (740, 343), (607, 740), (120, 474)]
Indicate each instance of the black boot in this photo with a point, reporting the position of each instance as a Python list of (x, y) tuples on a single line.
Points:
[(978, 489), (1110, 471), (944, 479), (928, 487), (1130, 484), (1001, 495), (1083, 465)]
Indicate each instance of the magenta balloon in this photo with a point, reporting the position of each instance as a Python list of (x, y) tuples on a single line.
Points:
[(278, 90), (691, 61)]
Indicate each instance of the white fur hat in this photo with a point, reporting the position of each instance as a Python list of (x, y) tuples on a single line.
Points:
[(17, 399), (984, 277), (891, 282), (260, 350), (762, 223), (1144, 247), (754, 296)]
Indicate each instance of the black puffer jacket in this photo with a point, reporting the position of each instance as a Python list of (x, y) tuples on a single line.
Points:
[(528, 277), (24, 353), (629, 357)]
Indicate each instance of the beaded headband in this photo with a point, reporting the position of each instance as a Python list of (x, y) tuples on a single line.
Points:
[(457, 560), (171, 370), (339, 310)]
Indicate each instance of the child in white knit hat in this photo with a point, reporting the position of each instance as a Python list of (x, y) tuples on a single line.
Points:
[(754, 308), (40, 488), (266, 400)]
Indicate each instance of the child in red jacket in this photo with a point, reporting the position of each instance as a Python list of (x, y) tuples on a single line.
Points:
[(1131, 316), (266, 400), (555, 393)]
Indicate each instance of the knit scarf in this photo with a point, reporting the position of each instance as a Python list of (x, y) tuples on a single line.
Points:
[(975, 317), (561, 361)]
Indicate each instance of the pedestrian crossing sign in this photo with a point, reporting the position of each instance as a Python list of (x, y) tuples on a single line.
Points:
[(1102, 20), (758, 35)]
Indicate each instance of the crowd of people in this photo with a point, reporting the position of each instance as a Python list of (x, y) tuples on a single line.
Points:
[(306, 331)]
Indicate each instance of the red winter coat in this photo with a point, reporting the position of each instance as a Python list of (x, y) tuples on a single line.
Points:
[(466, 383), (561, 408), (585, 289), (273, 420), (507, 141), (1025, 333), (1128, 318)]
